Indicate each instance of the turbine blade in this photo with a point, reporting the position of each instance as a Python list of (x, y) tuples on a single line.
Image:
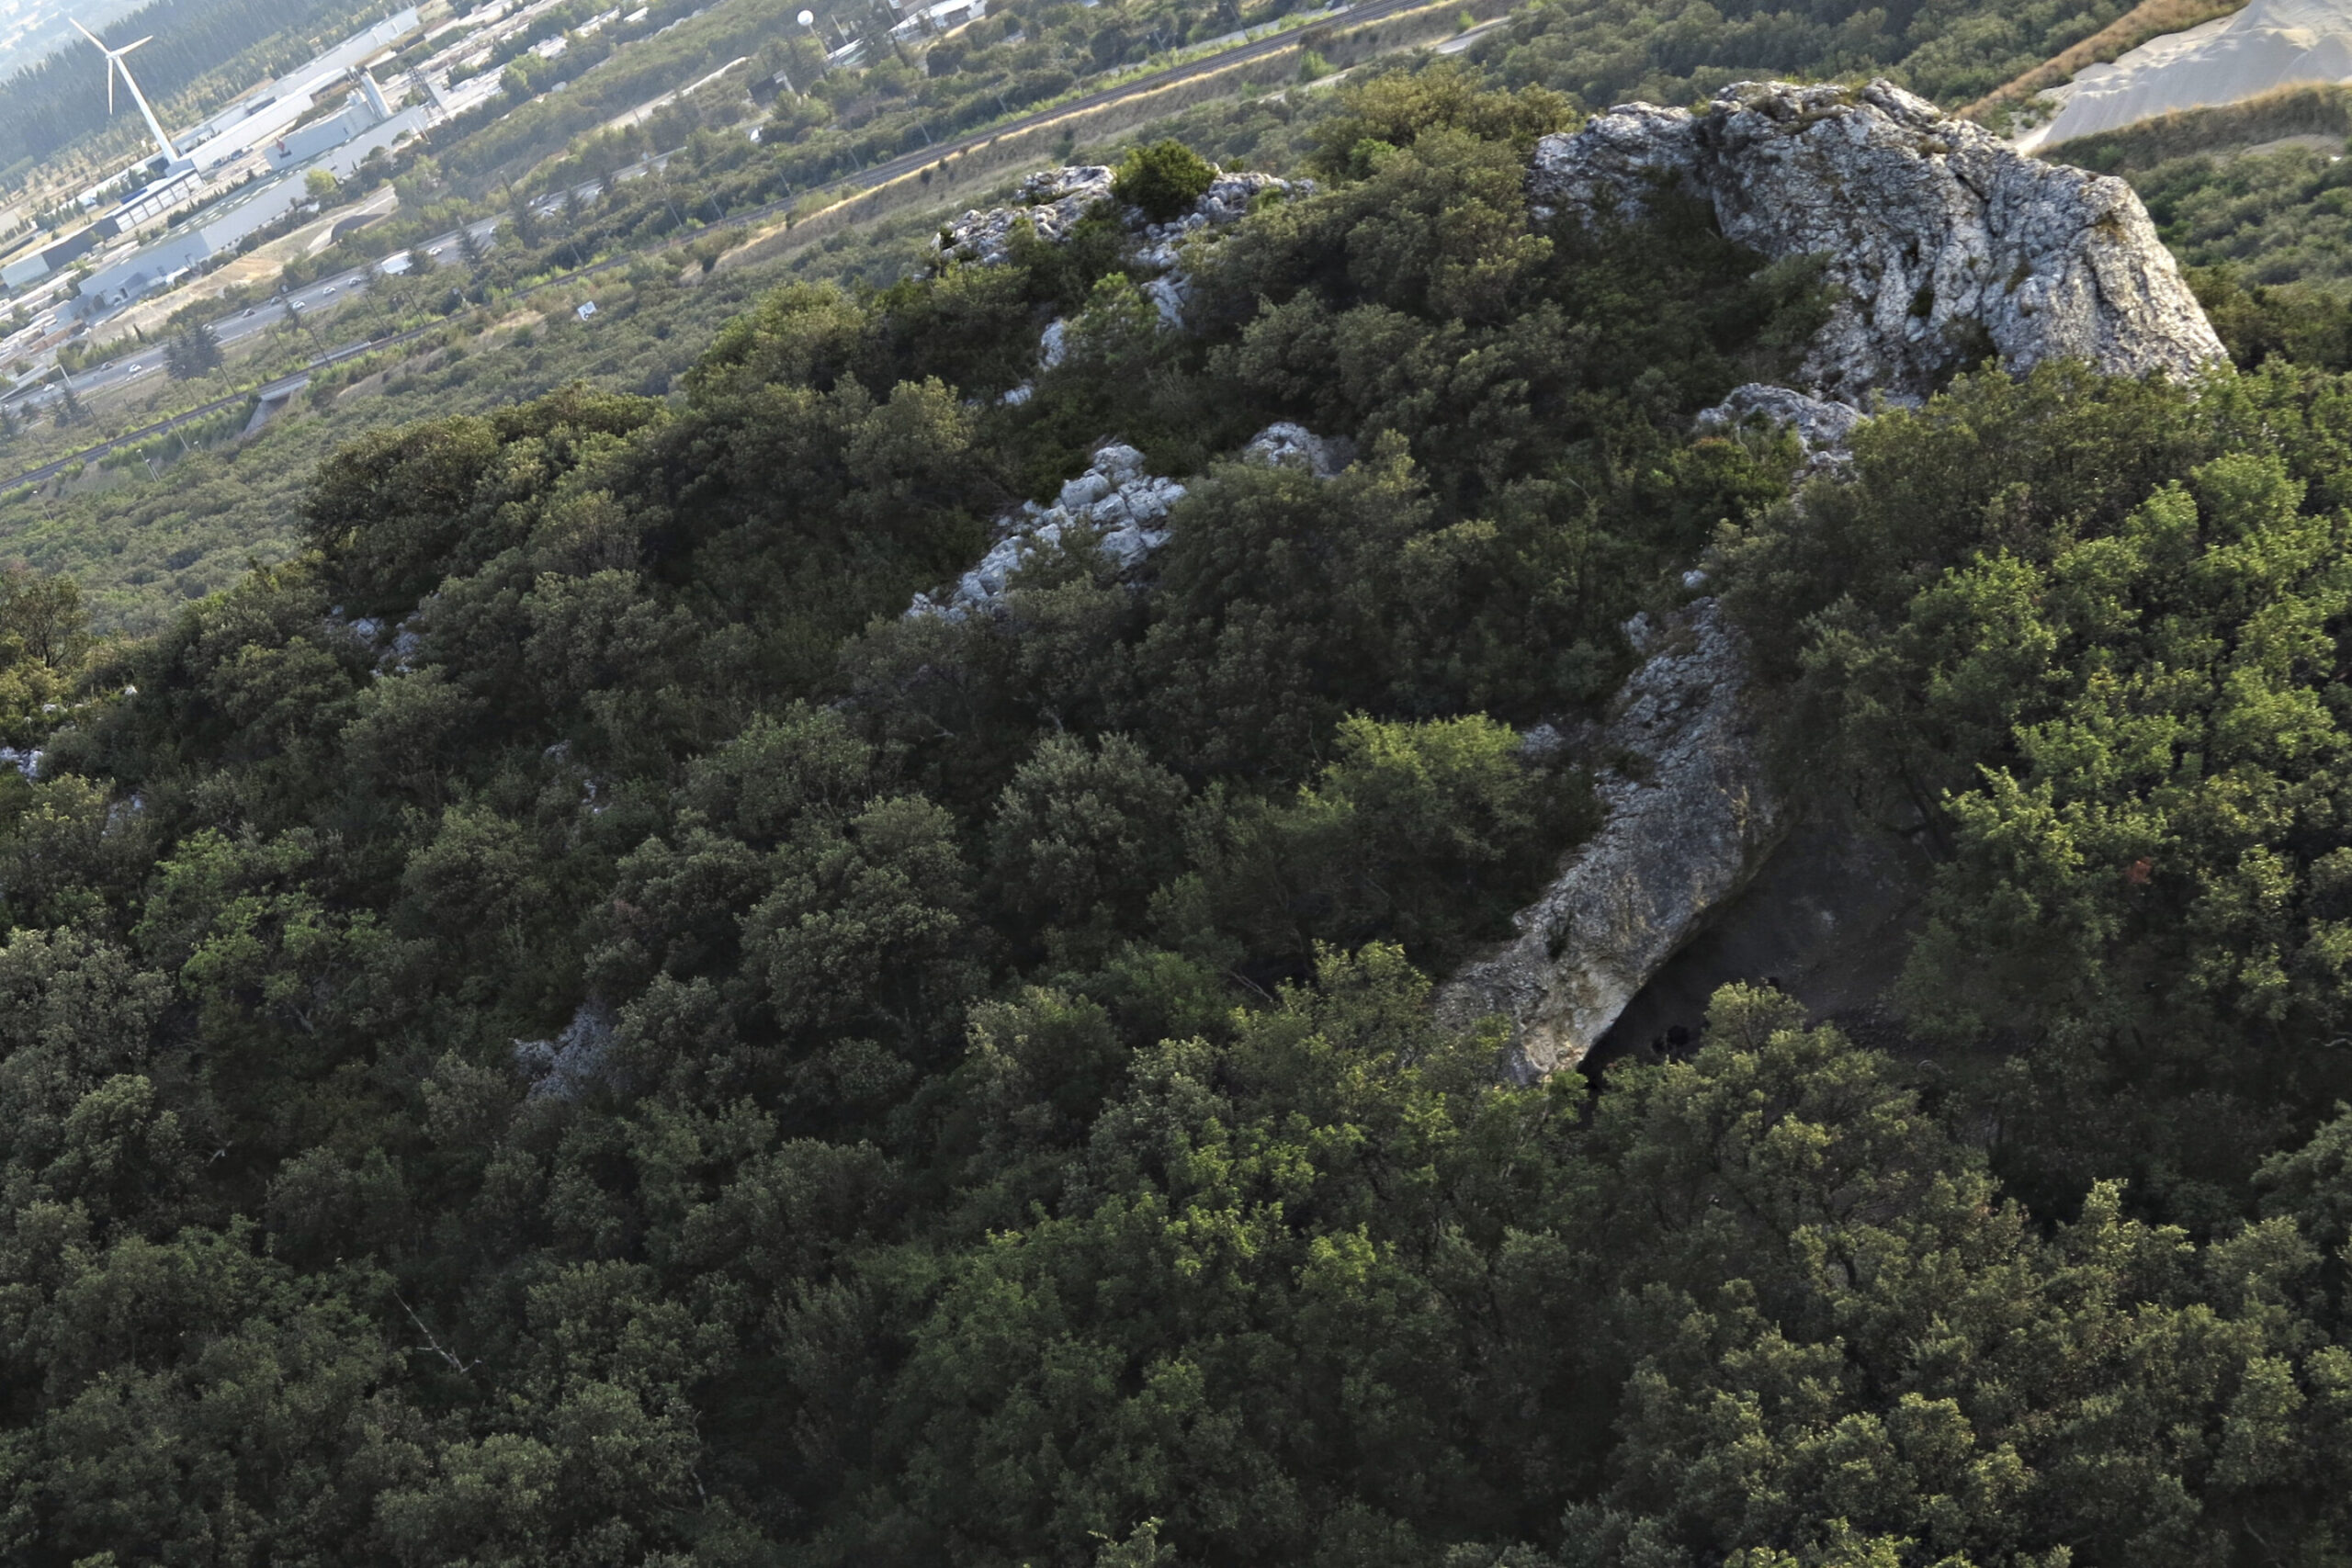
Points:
[(126, 48), (110, 87), (88, 34)]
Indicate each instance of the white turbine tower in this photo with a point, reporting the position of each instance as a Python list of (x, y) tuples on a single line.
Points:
[(115, 62)]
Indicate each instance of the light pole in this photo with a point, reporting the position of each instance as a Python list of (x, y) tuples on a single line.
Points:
[(808, 19)]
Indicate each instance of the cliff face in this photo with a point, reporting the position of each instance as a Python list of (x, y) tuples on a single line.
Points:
[(1943, 243)]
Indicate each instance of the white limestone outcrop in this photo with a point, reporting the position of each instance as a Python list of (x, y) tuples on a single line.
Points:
[(1113, 496), (1287, 446), (1943, 241), (1825, 431), (1125, 508), (572, 1064), (1688, 822), (1051, 202)]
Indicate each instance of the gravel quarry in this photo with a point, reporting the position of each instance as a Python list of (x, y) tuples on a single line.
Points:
[(2269, 45)]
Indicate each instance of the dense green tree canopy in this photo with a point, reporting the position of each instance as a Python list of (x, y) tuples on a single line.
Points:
[(557, 1025)]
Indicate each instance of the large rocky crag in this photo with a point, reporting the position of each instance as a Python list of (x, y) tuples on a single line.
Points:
[(1943, 243)]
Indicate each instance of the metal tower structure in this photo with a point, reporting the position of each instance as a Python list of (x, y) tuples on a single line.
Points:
[(115, 62)]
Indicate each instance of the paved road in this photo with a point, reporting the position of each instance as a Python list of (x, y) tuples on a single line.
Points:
[(327, 292), (237, 325)]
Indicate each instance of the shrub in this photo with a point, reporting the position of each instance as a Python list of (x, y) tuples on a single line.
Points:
[(1163, 179)]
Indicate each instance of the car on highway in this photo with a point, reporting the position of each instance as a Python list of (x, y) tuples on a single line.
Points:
[(248, 315)]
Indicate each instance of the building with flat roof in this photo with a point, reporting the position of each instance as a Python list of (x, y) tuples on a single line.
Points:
[(222, 228), (260, 116), (261, 123)]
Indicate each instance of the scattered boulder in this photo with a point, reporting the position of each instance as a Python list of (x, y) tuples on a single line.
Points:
[(1943, 243), (1691, 818), (1824, 430), (1289, 445), (1113, 496), (1051, 202)]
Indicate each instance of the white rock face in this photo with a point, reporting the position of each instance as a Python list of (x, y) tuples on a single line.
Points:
[(1169, 295), (1824, 430), (1226, 200), (1113, 496), (1052, 200), (567, 1065), (1685, 832), (1127, 506), (1289, 445), (1943, 242), (2269, 45)]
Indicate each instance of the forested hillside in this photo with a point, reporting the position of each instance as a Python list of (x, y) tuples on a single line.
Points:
[(560, 1025)]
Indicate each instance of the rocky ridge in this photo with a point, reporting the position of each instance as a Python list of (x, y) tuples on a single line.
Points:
[(1943, 243), (1052, 201)]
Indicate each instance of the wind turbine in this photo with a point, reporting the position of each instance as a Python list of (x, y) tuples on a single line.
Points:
[(115, 63)]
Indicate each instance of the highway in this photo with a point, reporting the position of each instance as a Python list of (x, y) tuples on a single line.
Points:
[(326, 293), (293, 305)]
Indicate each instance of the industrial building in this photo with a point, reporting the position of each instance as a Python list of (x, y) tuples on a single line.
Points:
[(253, 122), (222, 228), (262, 131)]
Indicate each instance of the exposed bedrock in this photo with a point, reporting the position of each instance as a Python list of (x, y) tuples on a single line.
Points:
[(1689, 818), (1122, 510), (1943, 243), (1052, 201)]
